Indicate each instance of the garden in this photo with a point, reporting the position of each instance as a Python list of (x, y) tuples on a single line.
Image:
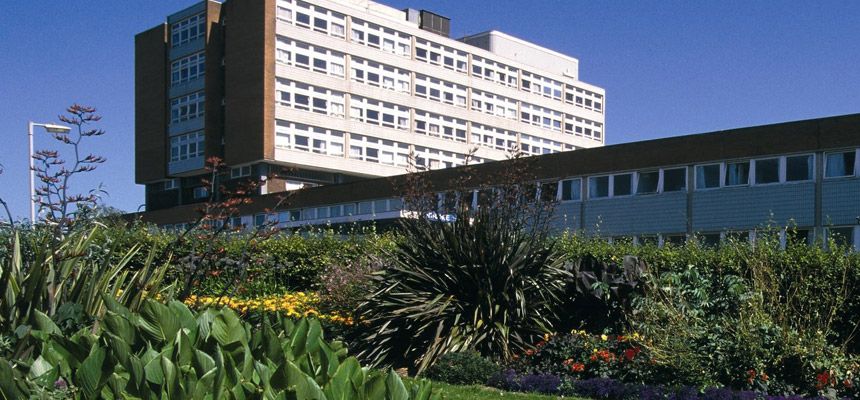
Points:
[(460, 301)]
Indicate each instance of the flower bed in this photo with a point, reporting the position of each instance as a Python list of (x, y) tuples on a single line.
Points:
[(294, 305)]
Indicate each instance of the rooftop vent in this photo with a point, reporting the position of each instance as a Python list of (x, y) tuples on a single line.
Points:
[(435, 23)]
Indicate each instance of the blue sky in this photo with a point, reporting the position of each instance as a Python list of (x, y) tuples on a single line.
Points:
[(669, 68)]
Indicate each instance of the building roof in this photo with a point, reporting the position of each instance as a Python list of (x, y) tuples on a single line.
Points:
[(741, 143)]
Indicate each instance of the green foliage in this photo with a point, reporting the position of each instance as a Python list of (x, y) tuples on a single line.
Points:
[(66, 282), (167, 351), (482, 282), (580, 355), (462, 368)]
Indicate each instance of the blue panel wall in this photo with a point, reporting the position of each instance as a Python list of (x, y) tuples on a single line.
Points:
[(660, 213), (840, 202), (566, 216), (751, 207)]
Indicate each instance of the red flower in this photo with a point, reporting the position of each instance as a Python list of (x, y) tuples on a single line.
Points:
[(763, 376), (594, 357), (822, 379), (630, 354), (577, 367), (847, 383), (751, 376), (567, 362), (530, 352)]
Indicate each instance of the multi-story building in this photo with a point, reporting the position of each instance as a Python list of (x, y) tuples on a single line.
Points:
[(797, 179), (329, 91)]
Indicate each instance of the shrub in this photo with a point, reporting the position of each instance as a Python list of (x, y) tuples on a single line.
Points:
[(579, 355), (482, 282), (463, 368), (167, 351)]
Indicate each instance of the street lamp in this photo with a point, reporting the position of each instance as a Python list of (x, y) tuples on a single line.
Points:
[(52, 128)]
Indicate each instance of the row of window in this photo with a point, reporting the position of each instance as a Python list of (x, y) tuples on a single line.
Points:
[(187, 30), (187, 69), (329, 102), (189, 145), (187, 107), (295, 136), (372, 73), (762, 171), (332, 23)]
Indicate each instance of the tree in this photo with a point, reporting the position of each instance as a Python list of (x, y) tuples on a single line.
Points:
[(58, 204)]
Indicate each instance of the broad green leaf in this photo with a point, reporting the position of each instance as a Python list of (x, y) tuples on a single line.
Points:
[(227, 328), (93, 374), (395, 388), (158, 322)]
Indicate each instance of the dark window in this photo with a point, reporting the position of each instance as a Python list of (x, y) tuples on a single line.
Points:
[(571, 189), (674, 180), (709, 239), (767, 171), (737, 173), (302, 59), (598, 187), (548, 191), (320, 104), (707, 176), (842, 236), (621, 185), (302, 99), (840, 164), (303, 18), (647, 182), (320, 23), (319, 64), (798, 168), (372, 115)]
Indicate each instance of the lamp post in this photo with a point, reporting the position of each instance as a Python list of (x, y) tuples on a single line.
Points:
[(52, 128)]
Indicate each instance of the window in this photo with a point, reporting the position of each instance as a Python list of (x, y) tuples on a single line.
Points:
[(649, 240), (708, 176), (188, 29), (840, 164), (709, 239), (797, 236), (571, 190), (239, 172), (798, 168), (767, 171), (548, 191), (622, 185), (737, 173), (186, 146), (187, 107), (841, 236), (187, 68), (201, 192), (647, 182), (171, 184), (598, 187), (675, 180)]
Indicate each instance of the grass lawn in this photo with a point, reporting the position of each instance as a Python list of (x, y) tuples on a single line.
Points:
[(476, 392)]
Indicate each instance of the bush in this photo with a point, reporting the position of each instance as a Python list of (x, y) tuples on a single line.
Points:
[(167, 351), (482, 282), (579, 355), (463, 368)]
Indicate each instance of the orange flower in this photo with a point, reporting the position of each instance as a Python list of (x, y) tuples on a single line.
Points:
[(577, 367), (530, 352)]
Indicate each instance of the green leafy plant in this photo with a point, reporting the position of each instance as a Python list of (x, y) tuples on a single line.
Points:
[(463, 368), (70, 275), (167, 351), (485, 278)]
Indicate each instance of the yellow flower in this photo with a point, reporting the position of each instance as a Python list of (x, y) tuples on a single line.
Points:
[(604, 337)]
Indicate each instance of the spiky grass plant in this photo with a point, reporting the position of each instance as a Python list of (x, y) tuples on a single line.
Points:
[(483, 277)]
